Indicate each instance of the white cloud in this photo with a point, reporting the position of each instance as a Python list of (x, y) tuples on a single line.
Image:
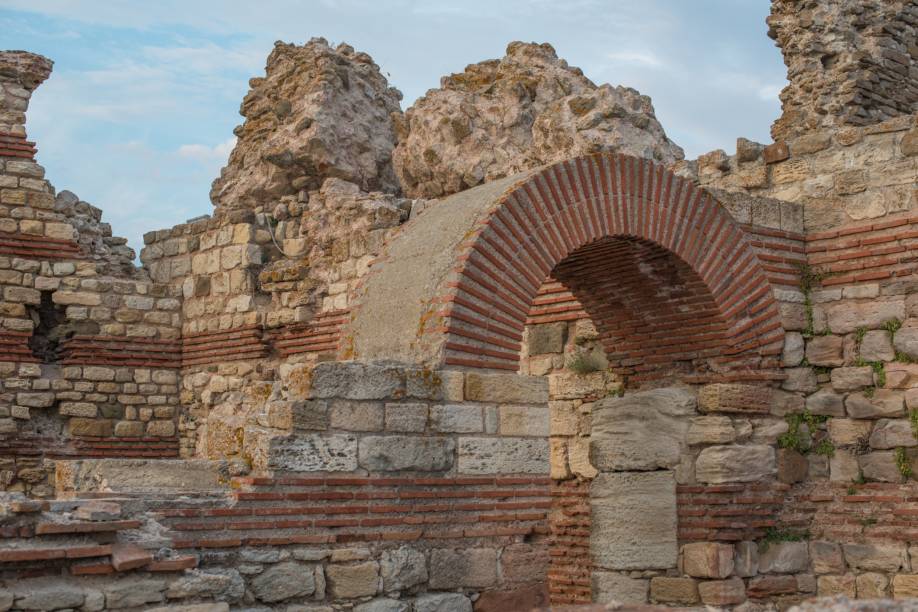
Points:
[(644, 58), (204, 153)]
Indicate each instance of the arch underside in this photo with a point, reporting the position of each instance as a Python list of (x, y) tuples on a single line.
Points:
[(663, 270)]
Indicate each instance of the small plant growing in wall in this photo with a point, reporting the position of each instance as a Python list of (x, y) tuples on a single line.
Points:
[(800, 438), (824, 448), (809, 278), (585, 363), (913, 419), (774, 535), (902, 462)]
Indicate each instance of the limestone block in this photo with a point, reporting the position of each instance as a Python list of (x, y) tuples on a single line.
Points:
[(36, 400), (457, 418), (76, 298), (793, 351), (161, 428), (784, 558), (876, 557), (846, 317), (46, 595), (735, 463), (609, 586), (284, 581), (356, 416), (802, 380), (707, 559), (730, 397), (130, 592), (90, 427), (524, 420), (394, 453), (892, 433), (640, 431), (843, 467), (624, 535), (566, 385), (906, 341), (884, 403), (403, 568), (672, 590), (564, 418), (314, 453), (547, 338), (377, 605), (722, 592), (221, 584), (877, 346), (356, 381), (506, 388), (503, 455), (578, 457), (359, 580), (880, 465), (458, 568), (406, 417), (905, 586)]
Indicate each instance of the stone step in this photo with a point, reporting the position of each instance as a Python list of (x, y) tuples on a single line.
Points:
[(152, 477)]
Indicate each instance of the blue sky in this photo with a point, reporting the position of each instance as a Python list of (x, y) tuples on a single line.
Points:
[(138, 114)]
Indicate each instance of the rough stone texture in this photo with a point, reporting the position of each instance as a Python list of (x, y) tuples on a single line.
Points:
[(735, 463), (319, 112), (402, 568), (707, 560), (722, 592), (443, 602), (457, 568), (784, 558), (503, 455), (283, 581), (610, 586), (640, 431), (392, 453), (876, 557), (527, 109), (847, 62), (672, 590), (347, 581), (623, 534)]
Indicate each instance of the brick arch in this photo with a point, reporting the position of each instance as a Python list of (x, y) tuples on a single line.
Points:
[(591, 210)]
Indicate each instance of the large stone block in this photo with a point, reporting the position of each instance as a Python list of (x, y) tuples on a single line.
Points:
[(524, 421), (506, 388), (314, 453), (547, 338), (348, 581), (845, 317), (906, 341), (503, 456), (735, 463), (624, 535), (905, 586), (707, 559), (710, 430), (880, 466), (852, 378), (845, 432), (529, 597), (892, 433), (640, 431), (876, 557), (463, 568), (884, 403), (673, 590), (356, 381), (825, 351), (784, 558), (394, 453), (457, 418), (827, 557), (610, 586), (722, 592), (403, 568), (443, 602)]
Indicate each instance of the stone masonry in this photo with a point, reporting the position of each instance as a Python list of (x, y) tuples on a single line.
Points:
[(504, 350)]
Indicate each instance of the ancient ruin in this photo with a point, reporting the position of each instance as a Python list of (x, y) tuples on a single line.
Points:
[(504, 350)]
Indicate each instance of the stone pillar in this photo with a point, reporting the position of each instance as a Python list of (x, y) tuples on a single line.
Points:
[(849, 62), (20, 74)]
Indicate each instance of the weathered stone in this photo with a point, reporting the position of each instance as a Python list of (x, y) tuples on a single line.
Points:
[(223, 584), (610, 586), (793, 351), (292, 129), (905, 585), (356, 381), (801, 380), (792, 466), (530, 597), (884, 403), (503, 455), (906, 341), (827, 557), (524, 110), (877, 346), (746, 559), (770, 586), (784, 558), (892, 433), (846, 317), (402, 568), (722, 592), (871, 585), (828, 586), (406, 417), (672, 590), (347, 581), (851, 379), (284, 581), (876, 557), (457, 418), (880, 466), (523, 563), (383, 605), (443, 602), (133, 592), (624, 535), (547, 338), (845, 432), (523, 421), (843, 466), (826, 403), (730, 397), (710, 430), (825, 351), (506, 388), (707, 560), (47, 595), (314, 453), (393, 453), (640, 431), (457, 568), (735, 463), (356, 416)]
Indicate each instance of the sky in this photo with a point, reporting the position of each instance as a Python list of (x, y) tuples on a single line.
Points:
[(137, 117)]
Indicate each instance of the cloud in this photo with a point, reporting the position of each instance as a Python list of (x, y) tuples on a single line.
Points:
[(644, 58), (203, 153)]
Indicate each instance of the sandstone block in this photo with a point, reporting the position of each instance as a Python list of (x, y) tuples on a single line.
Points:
[(394, 453), (503, 455), (825, 351), (710, 430), (845, 432), (523, 421), (846, 317), (884, 403), (892, 433), (730, 397), (356, 416), (640, 431), (406, 417), (707, 560), (348, 581), (624, 535), (792, 466), (530, 597), (458, 568), (746, 559), (225, 584), (735, 463), (852, 378), (770, 586), (506, 388), (161, 428), (880, 466), (827, 557), (826, 403), (906, 341), (877, 346), (547, 338), (76, 298), (872, 585), (356, 381), (843, 466), (722, 592), (830, 586), (457, 418), (314, 453), (47, 595), (35, 400), (133, 592), (905, 586), (129, 428), (671, 590), (90, 427)]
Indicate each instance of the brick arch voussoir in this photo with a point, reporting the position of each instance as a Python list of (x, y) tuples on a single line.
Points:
[(579, 201)]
